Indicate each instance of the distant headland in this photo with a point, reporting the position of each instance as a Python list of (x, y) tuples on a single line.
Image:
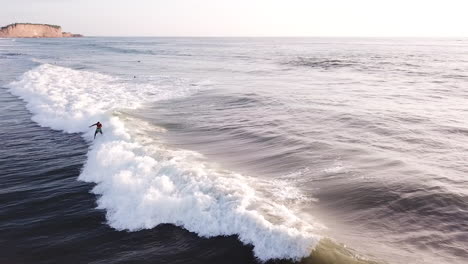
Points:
[(29, 30)]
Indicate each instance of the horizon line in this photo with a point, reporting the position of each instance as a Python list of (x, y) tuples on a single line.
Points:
[(240, 36)]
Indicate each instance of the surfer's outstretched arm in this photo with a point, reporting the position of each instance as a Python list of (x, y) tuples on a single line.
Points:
[(93, 125)]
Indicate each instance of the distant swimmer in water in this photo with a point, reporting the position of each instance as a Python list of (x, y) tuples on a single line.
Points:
[(98, 128)]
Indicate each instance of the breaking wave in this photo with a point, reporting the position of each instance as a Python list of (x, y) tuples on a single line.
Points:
[(142, 183)]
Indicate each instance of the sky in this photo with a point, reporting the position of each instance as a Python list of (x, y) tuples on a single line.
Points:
[(359, 18)]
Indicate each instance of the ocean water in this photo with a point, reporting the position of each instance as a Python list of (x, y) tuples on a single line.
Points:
[(234, 150)]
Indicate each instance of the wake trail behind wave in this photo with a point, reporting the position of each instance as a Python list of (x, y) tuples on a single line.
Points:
[(141, 183)]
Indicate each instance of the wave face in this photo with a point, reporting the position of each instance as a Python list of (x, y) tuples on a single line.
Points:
[(141, 183)]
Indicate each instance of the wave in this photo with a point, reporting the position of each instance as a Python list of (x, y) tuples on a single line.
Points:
[(13, 54), (322, 63), (125, 50), (142, 183)]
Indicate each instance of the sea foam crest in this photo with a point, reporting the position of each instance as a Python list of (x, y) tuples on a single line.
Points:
[(142, 185)]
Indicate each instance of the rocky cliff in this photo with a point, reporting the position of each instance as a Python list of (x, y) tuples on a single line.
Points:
[(26, 30)]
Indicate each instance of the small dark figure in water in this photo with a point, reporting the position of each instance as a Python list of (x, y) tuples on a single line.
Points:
[(98, 128)]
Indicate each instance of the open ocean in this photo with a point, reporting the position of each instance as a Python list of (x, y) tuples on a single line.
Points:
[(234, 150)]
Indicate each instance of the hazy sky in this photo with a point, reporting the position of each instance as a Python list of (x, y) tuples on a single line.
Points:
[(245, 17)]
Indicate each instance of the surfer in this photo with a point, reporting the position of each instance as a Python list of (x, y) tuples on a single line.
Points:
[(98, 128)]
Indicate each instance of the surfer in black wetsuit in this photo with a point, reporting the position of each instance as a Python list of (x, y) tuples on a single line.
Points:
[(98, 128)]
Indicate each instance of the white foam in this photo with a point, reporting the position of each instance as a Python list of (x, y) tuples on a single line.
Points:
[(142, 184)]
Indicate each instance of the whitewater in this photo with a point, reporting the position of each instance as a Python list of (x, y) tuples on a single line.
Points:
[(141, 184)]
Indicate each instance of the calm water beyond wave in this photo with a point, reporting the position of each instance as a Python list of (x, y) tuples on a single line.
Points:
[(234, 150)]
